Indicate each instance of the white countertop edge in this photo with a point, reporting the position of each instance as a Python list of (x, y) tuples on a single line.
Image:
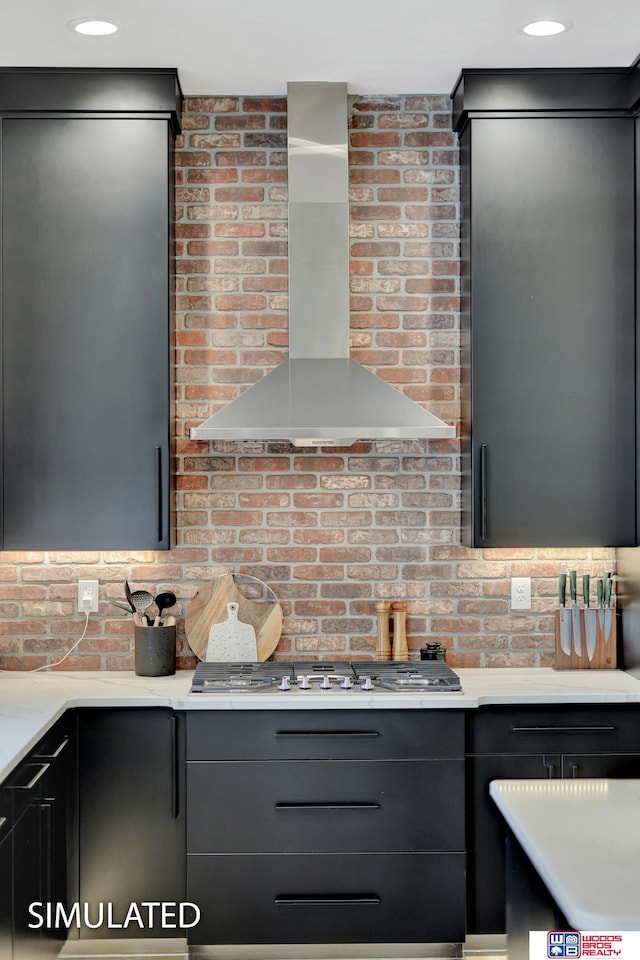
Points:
[(31, 703), (621, 908)]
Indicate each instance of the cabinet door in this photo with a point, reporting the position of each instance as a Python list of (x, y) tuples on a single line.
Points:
[(132, 844), (486, 834), (616, 765), (6, 889), (30, 876), (548, 231), (85, 333), (59, 792)]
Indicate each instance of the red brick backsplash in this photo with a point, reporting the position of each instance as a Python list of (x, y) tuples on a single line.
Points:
[(330, 531)]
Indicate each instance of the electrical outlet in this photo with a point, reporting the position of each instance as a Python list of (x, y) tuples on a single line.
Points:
[(521, 593), (88, 591)]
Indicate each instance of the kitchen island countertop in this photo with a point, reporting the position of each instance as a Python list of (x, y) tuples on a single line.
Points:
[(31, 703), (582, 836)]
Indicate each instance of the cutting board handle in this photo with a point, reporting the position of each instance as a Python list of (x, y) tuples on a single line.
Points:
[(232, 610)]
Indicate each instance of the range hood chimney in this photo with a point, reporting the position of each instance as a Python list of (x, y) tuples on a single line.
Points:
[(319, 396)]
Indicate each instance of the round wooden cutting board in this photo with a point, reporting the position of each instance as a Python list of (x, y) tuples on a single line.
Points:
[(209, 606)]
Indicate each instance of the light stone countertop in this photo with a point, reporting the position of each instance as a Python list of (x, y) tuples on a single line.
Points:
[(583, 838), (31, 703)]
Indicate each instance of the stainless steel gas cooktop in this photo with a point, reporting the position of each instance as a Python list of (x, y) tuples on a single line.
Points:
[(420, 676)]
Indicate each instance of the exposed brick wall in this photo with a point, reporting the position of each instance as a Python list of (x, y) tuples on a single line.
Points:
[(331, 531)]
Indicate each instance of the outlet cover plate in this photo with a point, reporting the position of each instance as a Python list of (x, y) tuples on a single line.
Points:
[(521, 593)]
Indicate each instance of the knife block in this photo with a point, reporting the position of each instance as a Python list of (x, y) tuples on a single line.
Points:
[(605, 651)]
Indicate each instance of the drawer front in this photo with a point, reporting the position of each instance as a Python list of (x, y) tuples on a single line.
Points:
[(25, 785), (554, 730), (325, 805), (320, 734), (327, 898)]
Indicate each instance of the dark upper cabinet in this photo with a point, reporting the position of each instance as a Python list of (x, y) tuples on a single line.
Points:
[(85, 310), (548, 286)]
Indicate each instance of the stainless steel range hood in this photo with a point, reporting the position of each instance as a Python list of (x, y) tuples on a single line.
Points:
[(319, 396)]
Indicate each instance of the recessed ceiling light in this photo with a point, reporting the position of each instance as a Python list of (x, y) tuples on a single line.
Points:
[(93, 28), (545, 28)]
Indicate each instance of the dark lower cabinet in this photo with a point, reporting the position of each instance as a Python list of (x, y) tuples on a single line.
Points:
[(335, 826), (529, 905), (506, 743), (485, 849), (59, 797), (31, 881), (6, 881), (131, 806), (42, 842)]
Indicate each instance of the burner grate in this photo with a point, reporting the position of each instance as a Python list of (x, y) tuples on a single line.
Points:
[(429, 676)]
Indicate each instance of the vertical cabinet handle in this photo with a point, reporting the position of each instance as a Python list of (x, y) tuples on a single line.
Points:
[(175, 805), (158, 463), (46, 840), (483, 491), (575, 769)]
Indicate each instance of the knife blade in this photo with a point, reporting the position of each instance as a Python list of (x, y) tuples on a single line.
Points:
[(600, 590), (565, 616), (589, 617), (575, 612)]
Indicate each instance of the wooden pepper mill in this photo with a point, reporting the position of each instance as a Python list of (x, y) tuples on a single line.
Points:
[(399, 614), (383, 644)]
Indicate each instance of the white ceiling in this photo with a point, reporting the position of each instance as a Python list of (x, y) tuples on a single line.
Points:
[(377, 46)]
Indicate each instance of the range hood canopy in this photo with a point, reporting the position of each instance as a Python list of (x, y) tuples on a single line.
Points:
[(319, 396)]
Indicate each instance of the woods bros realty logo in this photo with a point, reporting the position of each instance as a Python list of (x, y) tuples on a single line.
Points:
[(561, 944)]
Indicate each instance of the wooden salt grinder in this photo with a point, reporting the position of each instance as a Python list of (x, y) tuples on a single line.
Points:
[(400, 648), (383, 644)]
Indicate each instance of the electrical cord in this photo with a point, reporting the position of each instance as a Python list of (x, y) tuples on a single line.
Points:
[(47, 666)]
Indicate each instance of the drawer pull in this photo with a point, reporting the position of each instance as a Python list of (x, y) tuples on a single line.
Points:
[(331, 900), (287, 734), (29, 786), (327, 806), (52, 754), (604, 728)]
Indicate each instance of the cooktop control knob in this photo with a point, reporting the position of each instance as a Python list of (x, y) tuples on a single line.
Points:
[(326, 684), (284, 684), (304, 683), (368, 684), (346, 683)]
